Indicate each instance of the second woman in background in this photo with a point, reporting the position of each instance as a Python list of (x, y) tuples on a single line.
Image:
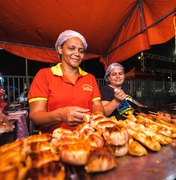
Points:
[(115, 101)]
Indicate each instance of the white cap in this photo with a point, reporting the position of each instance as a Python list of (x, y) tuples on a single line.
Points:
[(67, 35)]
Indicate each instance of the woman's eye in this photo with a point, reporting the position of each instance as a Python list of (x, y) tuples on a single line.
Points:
[(113, 74), (74, 48), (81, 50), (71, 48)]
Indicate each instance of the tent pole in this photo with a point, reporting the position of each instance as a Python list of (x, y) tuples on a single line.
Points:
[(175, 31), (27, 77)]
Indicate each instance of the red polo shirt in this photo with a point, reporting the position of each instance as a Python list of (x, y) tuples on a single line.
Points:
[(49, 84)]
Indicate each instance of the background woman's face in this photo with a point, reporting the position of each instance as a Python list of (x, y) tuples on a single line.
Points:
[(72, 51), (117, 76)]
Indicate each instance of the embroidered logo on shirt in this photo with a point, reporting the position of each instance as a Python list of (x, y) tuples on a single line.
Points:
[(87, 87)]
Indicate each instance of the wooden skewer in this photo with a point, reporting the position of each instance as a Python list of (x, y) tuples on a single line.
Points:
[(152, 112)]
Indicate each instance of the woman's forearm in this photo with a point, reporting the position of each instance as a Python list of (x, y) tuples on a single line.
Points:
[(98, 109), (110, 107), (44, 118)]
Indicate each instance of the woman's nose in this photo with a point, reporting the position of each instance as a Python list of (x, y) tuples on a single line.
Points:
[(76, 52)]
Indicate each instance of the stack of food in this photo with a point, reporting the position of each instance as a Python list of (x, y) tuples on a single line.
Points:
[(93, 145), (34, 157), (5, 124)]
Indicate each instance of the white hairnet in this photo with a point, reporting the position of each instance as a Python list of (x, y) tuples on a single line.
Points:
[(67, 35), (109, 69)]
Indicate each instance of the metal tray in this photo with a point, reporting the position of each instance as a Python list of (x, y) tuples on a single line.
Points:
[(154, 166)]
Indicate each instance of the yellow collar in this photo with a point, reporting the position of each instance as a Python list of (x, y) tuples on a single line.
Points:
[(56, 70)]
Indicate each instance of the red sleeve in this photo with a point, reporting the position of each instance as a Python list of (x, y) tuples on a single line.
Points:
[(39, 86)]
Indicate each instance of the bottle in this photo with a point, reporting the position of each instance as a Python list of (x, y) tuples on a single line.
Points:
[(124, 107)]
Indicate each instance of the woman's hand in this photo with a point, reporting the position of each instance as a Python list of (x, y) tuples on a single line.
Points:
[(119, 95), (72, 115)]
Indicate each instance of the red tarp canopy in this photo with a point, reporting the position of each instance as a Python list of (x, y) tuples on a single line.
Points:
[(114, 29), (138, 74)]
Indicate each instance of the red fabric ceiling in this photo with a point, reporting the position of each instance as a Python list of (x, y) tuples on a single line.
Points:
[(114, 29)]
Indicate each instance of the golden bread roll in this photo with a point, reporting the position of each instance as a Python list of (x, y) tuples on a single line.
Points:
[(95, 121), (101, 126), (146, 140), (115, 135), (135, 148), (95, 140), (12, 146), (51, 171), (40, 146), (76, 154), (38, 138), (146, 130), (37, 159), (100, 160), (118, 151), (84, 126), (60, 132)]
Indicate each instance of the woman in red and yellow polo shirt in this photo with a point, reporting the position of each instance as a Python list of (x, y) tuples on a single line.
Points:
[(61, 95)]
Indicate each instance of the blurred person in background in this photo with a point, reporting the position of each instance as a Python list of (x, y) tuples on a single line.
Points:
[(3, 103)]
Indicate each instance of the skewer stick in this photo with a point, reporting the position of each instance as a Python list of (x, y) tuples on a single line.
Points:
[(152, 112)]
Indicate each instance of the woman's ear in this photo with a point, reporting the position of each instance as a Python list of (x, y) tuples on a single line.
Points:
[(59, 49), (108, 78)]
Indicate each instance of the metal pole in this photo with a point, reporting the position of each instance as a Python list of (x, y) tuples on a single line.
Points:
[(27, 77), (175, 31)]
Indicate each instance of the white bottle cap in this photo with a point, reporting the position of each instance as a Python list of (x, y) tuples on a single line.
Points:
[(116, 90)]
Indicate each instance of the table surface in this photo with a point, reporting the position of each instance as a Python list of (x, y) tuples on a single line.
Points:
[(154, 166)]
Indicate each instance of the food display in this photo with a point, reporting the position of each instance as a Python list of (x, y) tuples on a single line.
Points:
[(94, 145), (5, 124)]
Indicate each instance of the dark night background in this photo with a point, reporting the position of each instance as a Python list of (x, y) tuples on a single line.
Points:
[(13, 65)]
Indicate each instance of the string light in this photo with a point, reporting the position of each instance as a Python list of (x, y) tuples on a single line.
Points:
[(146, 57), (159, 57)]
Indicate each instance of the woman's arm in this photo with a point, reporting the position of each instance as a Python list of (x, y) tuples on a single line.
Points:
[(97, 107), (110, 106), (71, 115)]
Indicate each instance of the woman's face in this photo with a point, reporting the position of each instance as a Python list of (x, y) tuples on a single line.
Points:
[(117, 76), (72, 52)]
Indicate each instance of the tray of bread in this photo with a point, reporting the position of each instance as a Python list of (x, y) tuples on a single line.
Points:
[(100, 147)]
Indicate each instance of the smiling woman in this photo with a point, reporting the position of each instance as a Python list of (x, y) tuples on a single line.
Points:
[(116, 102), (57, 95)]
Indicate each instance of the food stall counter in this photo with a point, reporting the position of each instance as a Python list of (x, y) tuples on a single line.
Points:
[(154, 166)]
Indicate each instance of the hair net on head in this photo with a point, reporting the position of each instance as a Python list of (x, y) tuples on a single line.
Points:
[(109, 69), (67, 35)]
